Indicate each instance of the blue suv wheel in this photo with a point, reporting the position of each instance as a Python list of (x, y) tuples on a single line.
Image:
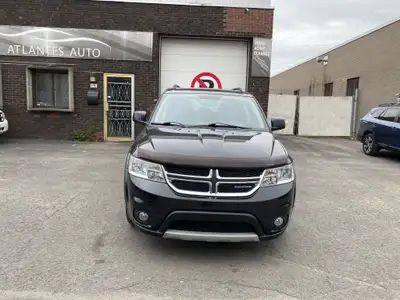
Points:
[(369, 145)]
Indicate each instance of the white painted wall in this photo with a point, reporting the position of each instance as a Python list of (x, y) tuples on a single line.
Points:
[(325, 116), (283, 106)]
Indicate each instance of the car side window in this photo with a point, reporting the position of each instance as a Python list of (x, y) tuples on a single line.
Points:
[(390, 114), (376, 113)]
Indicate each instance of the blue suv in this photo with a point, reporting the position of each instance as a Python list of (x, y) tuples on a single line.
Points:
[(380, 129)]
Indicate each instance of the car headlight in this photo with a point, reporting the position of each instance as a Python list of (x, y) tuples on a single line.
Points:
[(145, 169), (279, 175)]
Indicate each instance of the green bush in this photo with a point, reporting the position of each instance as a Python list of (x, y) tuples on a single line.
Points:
[(81, 135)]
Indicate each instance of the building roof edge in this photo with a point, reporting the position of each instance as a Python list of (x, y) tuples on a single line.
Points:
[(357, 37), (174, 2)]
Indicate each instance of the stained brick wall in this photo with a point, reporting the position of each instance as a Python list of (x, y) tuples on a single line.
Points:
[(160, 19), (256, 21)]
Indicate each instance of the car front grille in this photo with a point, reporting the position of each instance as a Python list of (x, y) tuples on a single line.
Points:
[(219, 183), (1, 117), (187, 171), (195, 186), (240, 172), (235, 187)]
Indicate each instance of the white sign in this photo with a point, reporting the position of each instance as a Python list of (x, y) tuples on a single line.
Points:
[(75, 43), (76, 52)]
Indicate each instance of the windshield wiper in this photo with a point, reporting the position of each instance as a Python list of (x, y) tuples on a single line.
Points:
[(168, 124), (220, 124)]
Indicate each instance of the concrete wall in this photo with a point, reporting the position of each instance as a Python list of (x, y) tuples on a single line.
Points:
[(283, 106), (373, 58), (325, 116)]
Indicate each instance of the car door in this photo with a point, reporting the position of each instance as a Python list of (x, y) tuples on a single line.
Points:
[(386, 129), (396, 132), (379, 128), (371, 122)]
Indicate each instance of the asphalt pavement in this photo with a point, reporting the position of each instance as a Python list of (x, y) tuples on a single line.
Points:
[(63, 233)]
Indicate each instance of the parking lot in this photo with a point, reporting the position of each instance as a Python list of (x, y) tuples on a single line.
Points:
[(64, 235)]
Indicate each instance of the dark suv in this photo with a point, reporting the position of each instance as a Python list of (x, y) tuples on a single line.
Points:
[(207, 167), (380, 129)]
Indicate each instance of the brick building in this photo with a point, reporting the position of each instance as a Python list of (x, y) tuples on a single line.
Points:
[(81, 65)]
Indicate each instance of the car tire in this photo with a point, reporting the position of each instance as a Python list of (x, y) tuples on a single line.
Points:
[(369, 146)]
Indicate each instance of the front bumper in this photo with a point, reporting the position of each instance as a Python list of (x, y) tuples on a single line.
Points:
[(359, 136), (202, 219), (3, 127)]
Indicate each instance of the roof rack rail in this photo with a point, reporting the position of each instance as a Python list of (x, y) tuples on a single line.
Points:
[(390, 104), (397, 103), (174, 87), (238, 89)]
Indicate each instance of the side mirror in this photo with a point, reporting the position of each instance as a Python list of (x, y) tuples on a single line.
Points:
[(140, 116), (278, 124)]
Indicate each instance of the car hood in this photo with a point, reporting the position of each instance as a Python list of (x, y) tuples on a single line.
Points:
[(210, 147)]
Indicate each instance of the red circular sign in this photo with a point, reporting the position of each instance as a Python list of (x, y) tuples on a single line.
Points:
[(199, 79)]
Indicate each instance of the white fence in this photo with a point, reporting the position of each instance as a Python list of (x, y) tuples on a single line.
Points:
[(283, 106), (325, 116), (318, 116)]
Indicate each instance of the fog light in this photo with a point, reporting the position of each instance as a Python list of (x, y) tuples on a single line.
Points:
[(143, 216), (279, 222)]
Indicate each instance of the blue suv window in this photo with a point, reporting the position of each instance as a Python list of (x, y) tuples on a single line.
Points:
[(376, 112), (390, 114)]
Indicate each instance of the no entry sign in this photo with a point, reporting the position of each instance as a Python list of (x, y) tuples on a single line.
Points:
[(206, 80)]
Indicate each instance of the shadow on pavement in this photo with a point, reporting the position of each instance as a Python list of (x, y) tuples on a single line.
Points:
[(185, 250), (389, 156)]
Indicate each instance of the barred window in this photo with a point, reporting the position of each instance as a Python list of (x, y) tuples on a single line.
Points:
[(50, 89)]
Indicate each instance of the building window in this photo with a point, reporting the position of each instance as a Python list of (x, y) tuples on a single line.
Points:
[(50, 89), (328, 91), (352, 86)]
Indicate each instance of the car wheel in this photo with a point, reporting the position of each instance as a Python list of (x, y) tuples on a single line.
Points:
[(369, 145)]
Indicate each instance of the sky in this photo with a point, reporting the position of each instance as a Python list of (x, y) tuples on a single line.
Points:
[(304, 29)]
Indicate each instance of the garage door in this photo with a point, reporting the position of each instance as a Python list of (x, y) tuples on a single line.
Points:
[(206, 63)]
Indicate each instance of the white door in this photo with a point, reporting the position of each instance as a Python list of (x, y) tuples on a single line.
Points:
[(203, 63)]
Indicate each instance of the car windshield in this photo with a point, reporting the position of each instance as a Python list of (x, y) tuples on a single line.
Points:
[(205, 108)]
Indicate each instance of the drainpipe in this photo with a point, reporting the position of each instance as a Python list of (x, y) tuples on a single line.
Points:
[(323, 79), (354, 117)]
